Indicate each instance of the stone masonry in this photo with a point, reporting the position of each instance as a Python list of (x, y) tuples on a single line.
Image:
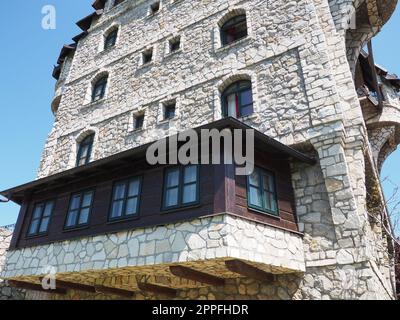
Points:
[(301, 60)]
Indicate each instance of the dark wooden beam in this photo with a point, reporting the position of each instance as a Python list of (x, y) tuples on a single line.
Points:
[(244, 269), (188, 273), (115, 291), (74, 286), (371, 61), (148, 287), (34, 287)]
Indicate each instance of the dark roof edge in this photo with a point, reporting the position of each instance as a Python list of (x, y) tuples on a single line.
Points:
[(94, 166)]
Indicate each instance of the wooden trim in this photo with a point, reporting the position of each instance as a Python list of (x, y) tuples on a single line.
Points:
[(188, 273), (34, 287), (115, 291), (157, 289), (23, 213), (244, 269)]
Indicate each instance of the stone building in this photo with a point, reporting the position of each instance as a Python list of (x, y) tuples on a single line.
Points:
[(326, 118)]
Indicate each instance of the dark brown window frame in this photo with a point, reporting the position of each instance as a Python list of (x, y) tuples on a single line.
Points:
[(35, 205), (77, 225), (126, 183)]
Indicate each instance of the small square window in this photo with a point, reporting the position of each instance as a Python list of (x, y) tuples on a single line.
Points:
[(174, 44), (154, 8), (169, 110), (147, 56), (139, 122)]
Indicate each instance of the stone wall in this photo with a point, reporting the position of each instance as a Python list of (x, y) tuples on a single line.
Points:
[(6, 293), (300, 60)]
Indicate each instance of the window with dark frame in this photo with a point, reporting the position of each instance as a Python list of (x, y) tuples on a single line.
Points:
[(155, 7), (181, 187), (237, 99), (147, 56), (169, 110), (261, 191), (79, 210), (139, 121), (174, 44), (234, 29), (85, 151), (42, 213), (111, 39), (99, 89), (126, 199)]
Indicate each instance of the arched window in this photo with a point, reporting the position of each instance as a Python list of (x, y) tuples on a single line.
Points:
[(111, 39), (237, 99), (234, 29), (85, 151), (99, 89)]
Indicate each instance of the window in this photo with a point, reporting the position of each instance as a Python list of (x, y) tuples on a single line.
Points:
[(85, 151), (174, 44), (41, 218), (234, 29), (181, 187), (237, 100), (261, 191), (79, 210), (169, 110), (139, 122), (154, 8), (99, 89), (126, 199), (147, 56), (111, 39)]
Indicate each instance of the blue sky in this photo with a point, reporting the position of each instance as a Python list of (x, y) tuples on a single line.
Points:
[(26, 85)]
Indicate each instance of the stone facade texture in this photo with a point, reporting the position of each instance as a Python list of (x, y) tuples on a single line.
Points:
[(301, 62)]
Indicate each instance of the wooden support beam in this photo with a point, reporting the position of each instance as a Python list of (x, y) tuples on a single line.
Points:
[(74, 286), (244, 269), (115, 291), (157, 289), (34, 287), (188, 273)]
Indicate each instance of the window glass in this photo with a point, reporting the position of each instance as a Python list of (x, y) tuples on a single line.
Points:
[(79, 209), (262, 191), (181, 186), (41, 218), (126, 199)]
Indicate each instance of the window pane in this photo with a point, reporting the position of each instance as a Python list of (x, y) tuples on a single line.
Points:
[(254, 179), (134, 188), (173, 178), (34, 226), (246, 97), (75, 202), (119, 192), (232, 106), (84, 151), (48, 209), (171, 197), (71, 220), (190, 174), (246, 110), (44, 225), (84, 216), (87, 199), (255, 197), (131, 206), (117, 209), (268, 183), (38, 211), (190, 193)]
